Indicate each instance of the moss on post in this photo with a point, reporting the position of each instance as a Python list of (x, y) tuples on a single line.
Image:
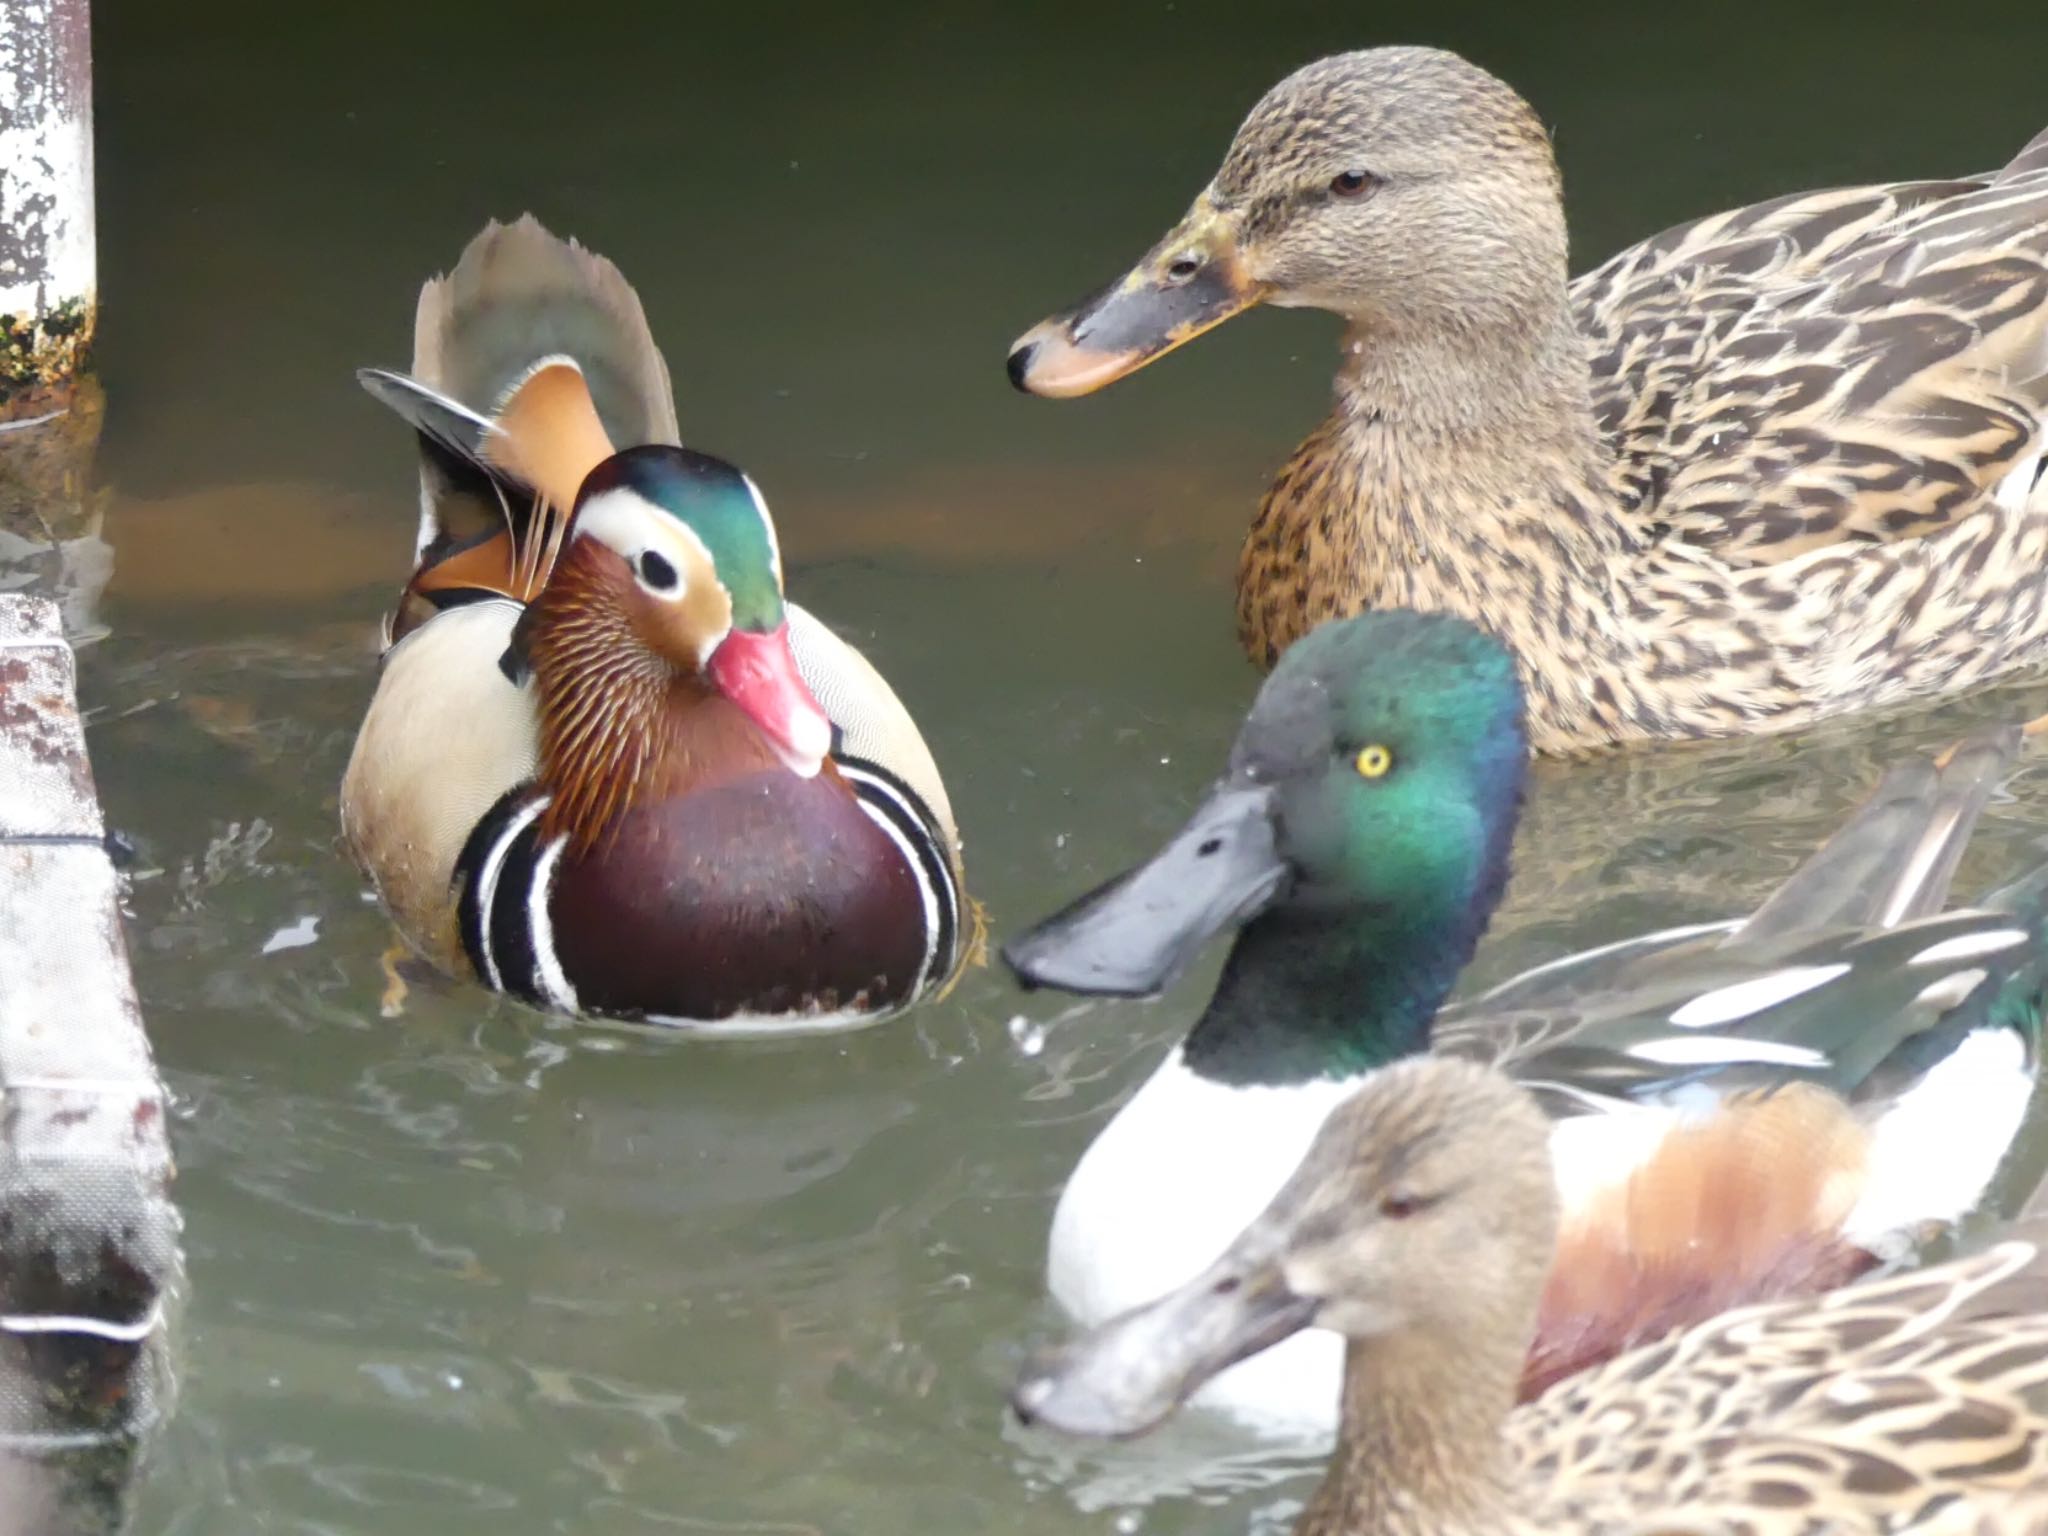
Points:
[(48, 284)]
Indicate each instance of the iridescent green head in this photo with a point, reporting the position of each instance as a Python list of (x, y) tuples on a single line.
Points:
[(710, 503), (1358, 843), (1394, 751)]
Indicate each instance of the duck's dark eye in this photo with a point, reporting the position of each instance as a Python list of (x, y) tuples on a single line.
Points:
[(659, 575), (1401, 1204), (1353, 183)]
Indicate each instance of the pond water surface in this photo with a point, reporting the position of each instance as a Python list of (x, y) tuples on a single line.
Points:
[(467, 1270)]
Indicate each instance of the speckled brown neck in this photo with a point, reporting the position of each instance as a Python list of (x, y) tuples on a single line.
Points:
[(1419, 1449), (1445, 472)]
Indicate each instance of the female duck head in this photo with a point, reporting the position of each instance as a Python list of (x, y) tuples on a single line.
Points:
[(1420, 1225), (700, 578), (1374, 184), (1370, 804)]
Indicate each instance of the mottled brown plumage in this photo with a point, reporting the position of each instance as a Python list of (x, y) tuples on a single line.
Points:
[(1765, 467), (1421, 1225)]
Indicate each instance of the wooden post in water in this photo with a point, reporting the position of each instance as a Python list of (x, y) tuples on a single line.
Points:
[(48, 273)]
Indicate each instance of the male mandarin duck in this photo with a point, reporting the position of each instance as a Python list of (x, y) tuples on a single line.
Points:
[(1773, 465), (1420, 1226), (1739, 1109), (609, 768)]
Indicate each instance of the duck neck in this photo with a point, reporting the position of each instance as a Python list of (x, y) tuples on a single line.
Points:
[(1307, 995), (620, 726), (602, 705), (1458, 471), (1419, 1446), (1521, 382), (1480, 439)]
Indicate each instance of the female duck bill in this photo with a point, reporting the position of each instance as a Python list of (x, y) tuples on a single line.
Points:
[(1191, 282), (1129, 1375), (1134, 935)]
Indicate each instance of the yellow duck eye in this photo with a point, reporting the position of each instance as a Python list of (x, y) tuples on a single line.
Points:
[(1373, 762)]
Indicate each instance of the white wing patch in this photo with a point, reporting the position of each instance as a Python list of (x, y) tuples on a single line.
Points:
[(1725, 1005), (1950, 991), (1725, 1051), (1972, 946)]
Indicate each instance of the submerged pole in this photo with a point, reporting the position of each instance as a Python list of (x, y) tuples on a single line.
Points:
[(48, 270)]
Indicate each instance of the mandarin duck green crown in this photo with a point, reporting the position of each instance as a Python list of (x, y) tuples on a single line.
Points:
[(1421, 1226), (1779, 463), (609, 768), (1739, 1109)]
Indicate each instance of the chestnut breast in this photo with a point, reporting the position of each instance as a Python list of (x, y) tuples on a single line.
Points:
[(764, 894)]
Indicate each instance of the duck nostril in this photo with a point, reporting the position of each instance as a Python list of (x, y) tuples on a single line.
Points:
[(1020, 365), (1182, 268)]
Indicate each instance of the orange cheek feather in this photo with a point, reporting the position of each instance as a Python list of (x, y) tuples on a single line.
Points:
[(1742, 1207)]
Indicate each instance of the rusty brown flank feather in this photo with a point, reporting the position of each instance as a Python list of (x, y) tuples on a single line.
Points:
[(1743, 1207)]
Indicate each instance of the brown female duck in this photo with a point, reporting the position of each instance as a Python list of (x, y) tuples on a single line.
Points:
[(608, 767), (1421, 1225), (1775, 464)]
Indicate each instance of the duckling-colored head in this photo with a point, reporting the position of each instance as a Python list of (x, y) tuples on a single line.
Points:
[(1404, 188), (1366, 817), (685, 546), (1421, 1225)]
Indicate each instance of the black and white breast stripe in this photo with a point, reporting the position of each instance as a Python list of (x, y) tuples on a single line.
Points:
[(902, 813), (504, 873)]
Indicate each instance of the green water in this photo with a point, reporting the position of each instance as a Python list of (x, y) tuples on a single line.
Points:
[(469, 1271)]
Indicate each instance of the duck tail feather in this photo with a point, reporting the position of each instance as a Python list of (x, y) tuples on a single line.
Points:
[(521, 293), (1895, 859)]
